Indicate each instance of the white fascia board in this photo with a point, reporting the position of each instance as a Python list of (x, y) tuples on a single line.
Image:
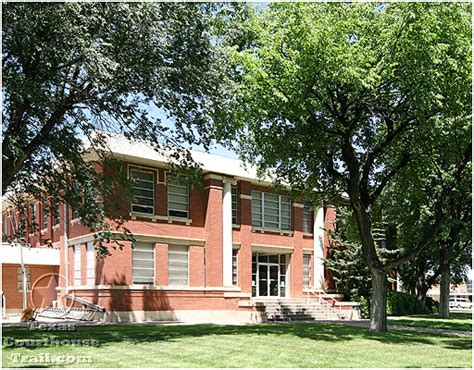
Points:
[(11, 253)]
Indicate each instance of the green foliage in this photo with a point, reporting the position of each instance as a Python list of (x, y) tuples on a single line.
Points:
[(74, 70), (432, 306), (357, 99), (350, 273), (400, 303)]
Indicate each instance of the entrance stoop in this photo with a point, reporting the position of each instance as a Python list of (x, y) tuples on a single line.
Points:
[(297, 309)]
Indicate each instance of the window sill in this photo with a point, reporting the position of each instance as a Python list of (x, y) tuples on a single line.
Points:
[(154, 218), (75, 221), (308, 234), (185, 220), (236, 226), (43, 231), (264, 230), (55, 227)]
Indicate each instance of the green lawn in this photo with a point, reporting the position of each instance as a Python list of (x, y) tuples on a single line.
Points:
[(271, 345), (456, 321)]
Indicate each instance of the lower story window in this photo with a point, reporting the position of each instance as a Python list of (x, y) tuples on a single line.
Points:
[(143, 264), (77, 265), (28, 278), (306, 271), (178, 268), (235, 267)]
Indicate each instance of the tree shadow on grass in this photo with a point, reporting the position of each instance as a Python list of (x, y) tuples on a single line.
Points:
[(149, 333)]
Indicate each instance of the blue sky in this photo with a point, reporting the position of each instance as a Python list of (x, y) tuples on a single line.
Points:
[(215, 149)]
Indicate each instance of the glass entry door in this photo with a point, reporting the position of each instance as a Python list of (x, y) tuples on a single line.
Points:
[(268, 275)]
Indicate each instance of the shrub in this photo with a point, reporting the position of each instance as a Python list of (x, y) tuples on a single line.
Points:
[(400, 303), (432, 306)]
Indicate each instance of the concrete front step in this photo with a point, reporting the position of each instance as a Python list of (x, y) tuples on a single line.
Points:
[(297, 310)]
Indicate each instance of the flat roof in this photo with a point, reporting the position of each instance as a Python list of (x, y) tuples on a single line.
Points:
[(142, 152)]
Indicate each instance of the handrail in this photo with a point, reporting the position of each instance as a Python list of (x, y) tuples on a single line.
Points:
[(321, 295)]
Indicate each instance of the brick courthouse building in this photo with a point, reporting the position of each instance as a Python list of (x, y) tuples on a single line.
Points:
[(207, 254)]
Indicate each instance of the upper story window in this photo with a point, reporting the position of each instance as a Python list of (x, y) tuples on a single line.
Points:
[(271, 211), (178, 198), (234, 206), (307, 224), (45, 214), (33, 212), (57, 213), (143, 184)]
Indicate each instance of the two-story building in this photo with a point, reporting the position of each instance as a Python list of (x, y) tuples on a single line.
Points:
[(208, 253)]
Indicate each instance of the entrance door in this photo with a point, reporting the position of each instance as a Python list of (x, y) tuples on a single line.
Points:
[(273, 282), (270, 275)]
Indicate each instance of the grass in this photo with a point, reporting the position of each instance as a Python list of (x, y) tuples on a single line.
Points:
[(456, 321), (273, 345)]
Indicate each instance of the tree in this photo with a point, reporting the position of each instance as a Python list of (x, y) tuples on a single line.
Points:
[(72, 71), (343, 98), (350, 273)]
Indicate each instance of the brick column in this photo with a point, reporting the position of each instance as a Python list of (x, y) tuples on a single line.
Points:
[(245, 253), (161, 264), (196, 265), (213, 247), (296, 266)]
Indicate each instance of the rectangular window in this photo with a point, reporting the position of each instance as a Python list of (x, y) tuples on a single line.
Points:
[(306, 271), (33, 212), (90, 264), (235, 267), (20, 279), (77, 265), (75, 213), (143, 264), (271, 211), (307, 224), (57, 213), (234, 206), (45, 214), (178, 265), (178, 198), (6, 220), (143, 185)]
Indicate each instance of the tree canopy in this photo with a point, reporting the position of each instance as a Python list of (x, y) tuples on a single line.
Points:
[(72, 70), (345, 98)]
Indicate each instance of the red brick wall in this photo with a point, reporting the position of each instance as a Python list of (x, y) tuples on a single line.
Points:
[(205, 262), (14, 297)]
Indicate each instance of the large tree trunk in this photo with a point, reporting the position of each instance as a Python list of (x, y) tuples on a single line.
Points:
[(378, 314), (444, 288), (421, 298)]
